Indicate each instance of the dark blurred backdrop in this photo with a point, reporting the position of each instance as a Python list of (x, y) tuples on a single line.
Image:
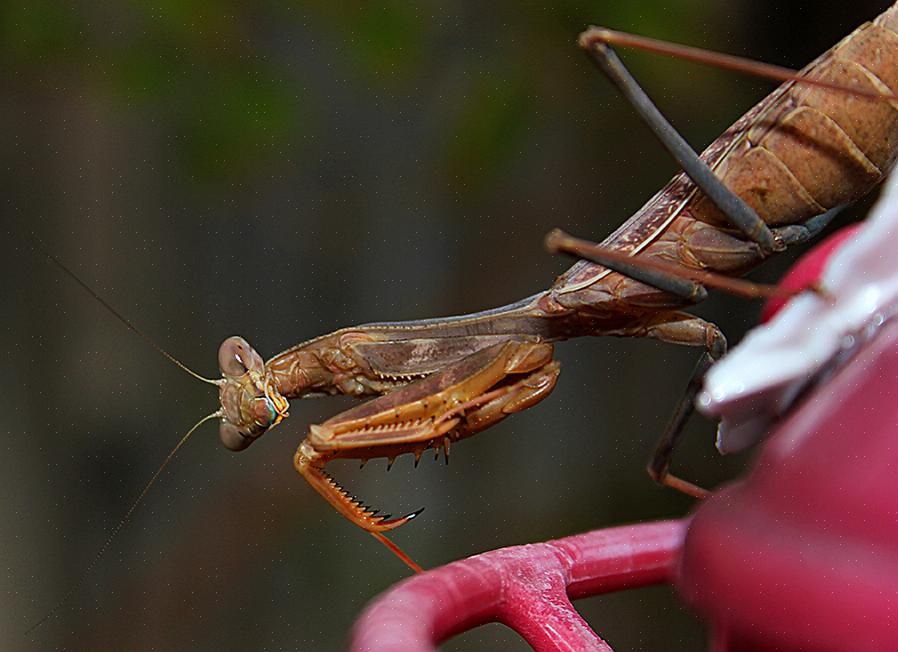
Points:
[(282, 171)]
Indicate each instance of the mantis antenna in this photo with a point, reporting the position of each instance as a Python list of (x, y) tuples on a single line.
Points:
[(121, 523), (214, 415), (115, 313)]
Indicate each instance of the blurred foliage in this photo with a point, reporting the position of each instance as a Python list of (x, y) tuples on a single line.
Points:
[(489, 125), (191, 62), (230, 104), (384, 40)]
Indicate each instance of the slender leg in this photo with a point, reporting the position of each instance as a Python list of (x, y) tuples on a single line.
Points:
[(691, 284), (659, 464), (682, 328), (669, 278), (740, 214)]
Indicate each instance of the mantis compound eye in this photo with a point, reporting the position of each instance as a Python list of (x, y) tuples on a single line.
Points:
[(265, 414), (236, 357), (232, 438)]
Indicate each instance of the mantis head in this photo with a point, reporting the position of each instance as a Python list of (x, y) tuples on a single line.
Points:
[(250, 401)]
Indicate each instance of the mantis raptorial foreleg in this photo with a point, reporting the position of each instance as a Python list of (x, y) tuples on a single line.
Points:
[(457, 402)]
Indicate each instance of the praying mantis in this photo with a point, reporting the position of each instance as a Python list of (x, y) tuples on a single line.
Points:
[(796, 157), (281, 334)]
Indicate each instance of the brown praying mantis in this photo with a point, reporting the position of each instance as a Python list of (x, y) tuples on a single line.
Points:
[(770, 181)]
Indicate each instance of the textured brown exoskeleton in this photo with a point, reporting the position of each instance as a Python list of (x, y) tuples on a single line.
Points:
[(801, 152)]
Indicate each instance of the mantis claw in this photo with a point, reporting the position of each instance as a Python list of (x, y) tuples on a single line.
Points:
[(349, 506), (463, 399), (396, 522)]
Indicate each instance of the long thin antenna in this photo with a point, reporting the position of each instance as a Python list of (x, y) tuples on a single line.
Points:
[(116, 313), (121, 523)]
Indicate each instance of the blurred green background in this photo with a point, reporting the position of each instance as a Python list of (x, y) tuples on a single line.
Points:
[(284, 170)]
